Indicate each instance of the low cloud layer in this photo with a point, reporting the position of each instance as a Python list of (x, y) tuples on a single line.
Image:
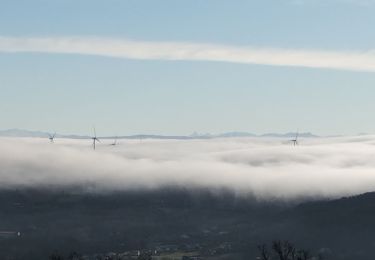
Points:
[(266, 168), (188, 51)]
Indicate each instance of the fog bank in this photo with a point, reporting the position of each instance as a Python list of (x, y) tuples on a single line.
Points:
[(268, 168)]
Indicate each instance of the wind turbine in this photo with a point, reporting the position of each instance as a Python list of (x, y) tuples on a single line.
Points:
[(51, 137), (94, 139), (295, 140), (115, 141)]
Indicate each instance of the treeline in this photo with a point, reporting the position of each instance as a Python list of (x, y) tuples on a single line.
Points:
[(284, 250)]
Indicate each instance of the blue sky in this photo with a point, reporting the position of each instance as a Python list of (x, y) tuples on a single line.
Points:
[(71, 92)]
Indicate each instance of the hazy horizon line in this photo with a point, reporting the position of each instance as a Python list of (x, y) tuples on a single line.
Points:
[(195, 134)]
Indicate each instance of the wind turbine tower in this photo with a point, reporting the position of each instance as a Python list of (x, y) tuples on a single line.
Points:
[(115, 141), (51, 137), (94, 140), (295, 140)]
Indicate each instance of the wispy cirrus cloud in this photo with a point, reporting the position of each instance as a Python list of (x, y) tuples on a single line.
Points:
[(330, 2), (189, 51)]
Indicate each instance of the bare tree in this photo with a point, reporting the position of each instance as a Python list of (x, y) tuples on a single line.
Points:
[(55, 256), (284, 250), (303, 255), (74, 256), (264, 254)]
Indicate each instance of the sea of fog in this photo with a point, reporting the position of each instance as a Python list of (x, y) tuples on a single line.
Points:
[(267, 168)]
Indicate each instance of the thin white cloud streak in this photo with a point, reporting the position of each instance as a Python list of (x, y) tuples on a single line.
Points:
[(364, 3), (184, 51), (266, 168)]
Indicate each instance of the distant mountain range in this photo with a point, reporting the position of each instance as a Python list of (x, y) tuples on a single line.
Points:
[(30, 133)]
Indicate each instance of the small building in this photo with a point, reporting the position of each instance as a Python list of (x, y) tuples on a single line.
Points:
[(9, 234)]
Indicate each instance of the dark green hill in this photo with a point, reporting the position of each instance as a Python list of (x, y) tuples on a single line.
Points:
[(117, 222)]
